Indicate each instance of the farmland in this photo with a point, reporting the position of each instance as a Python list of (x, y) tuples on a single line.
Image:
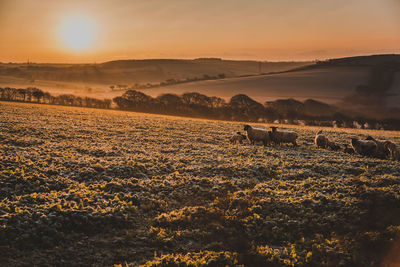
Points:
[(327, 84), (102, 187), (94, 80)]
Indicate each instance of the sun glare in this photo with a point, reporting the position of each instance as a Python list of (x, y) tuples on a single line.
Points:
[(77, 33)]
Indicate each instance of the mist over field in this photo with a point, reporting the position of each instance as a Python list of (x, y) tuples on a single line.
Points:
[(96, 79), (332, 81)]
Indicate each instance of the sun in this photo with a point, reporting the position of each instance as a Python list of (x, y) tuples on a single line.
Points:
[(77, 32)]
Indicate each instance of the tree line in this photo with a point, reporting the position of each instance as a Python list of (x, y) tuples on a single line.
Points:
[(36, 95), (167, 82), (243, 108), (239, 108)]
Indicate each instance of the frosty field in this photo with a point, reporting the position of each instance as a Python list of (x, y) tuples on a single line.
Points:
[(102, 187)]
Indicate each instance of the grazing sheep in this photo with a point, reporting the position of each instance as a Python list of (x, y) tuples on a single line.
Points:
[(348, 150), (381, 151), (332, 145), (323, 142), (237, 138), (364, 147), (257, 135), (320, 140), (394, 151), (280, 137)]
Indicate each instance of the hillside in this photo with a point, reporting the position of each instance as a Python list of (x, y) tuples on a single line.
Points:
[(360, 84), (82, 187), (181, 69), (328, 84), (77, 77), (328, 81)]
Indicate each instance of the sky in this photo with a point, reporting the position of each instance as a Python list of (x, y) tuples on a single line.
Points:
[(86, 31)]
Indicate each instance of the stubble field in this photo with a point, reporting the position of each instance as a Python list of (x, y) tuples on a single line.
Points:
[(100, 187)]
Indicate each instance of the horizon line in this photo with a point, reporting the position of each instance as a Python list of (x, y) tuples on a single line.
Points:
[(28, 61)]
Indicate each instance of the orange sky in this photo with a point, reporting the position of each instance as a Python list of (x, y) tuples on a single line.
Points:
[(234, 29)]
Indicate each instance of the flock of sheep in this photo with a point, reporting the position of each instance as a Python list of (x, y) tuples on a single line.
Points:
[(370, 147)]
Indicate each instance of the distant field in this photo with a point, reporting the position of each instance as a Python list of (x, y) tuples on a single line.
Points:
[(95, 90), (327, 84), (95, 79), (102, 187), (329, 81)]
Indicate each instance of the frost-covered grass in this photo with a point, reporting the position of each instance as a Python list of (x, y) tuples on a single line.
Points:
[(98, 187)]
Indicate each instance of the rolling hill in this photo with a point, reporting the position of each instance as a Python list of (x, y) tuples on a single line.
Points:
[(329, 81), (130, 72), (329, 84), (75, 77)]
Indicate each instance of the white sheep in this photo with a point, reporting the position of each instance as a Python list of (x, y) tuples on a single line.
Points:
[(382, 151), (394, 151), (364, 147), (257, 135), (320, 140), (237, 138), (280, 137)]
